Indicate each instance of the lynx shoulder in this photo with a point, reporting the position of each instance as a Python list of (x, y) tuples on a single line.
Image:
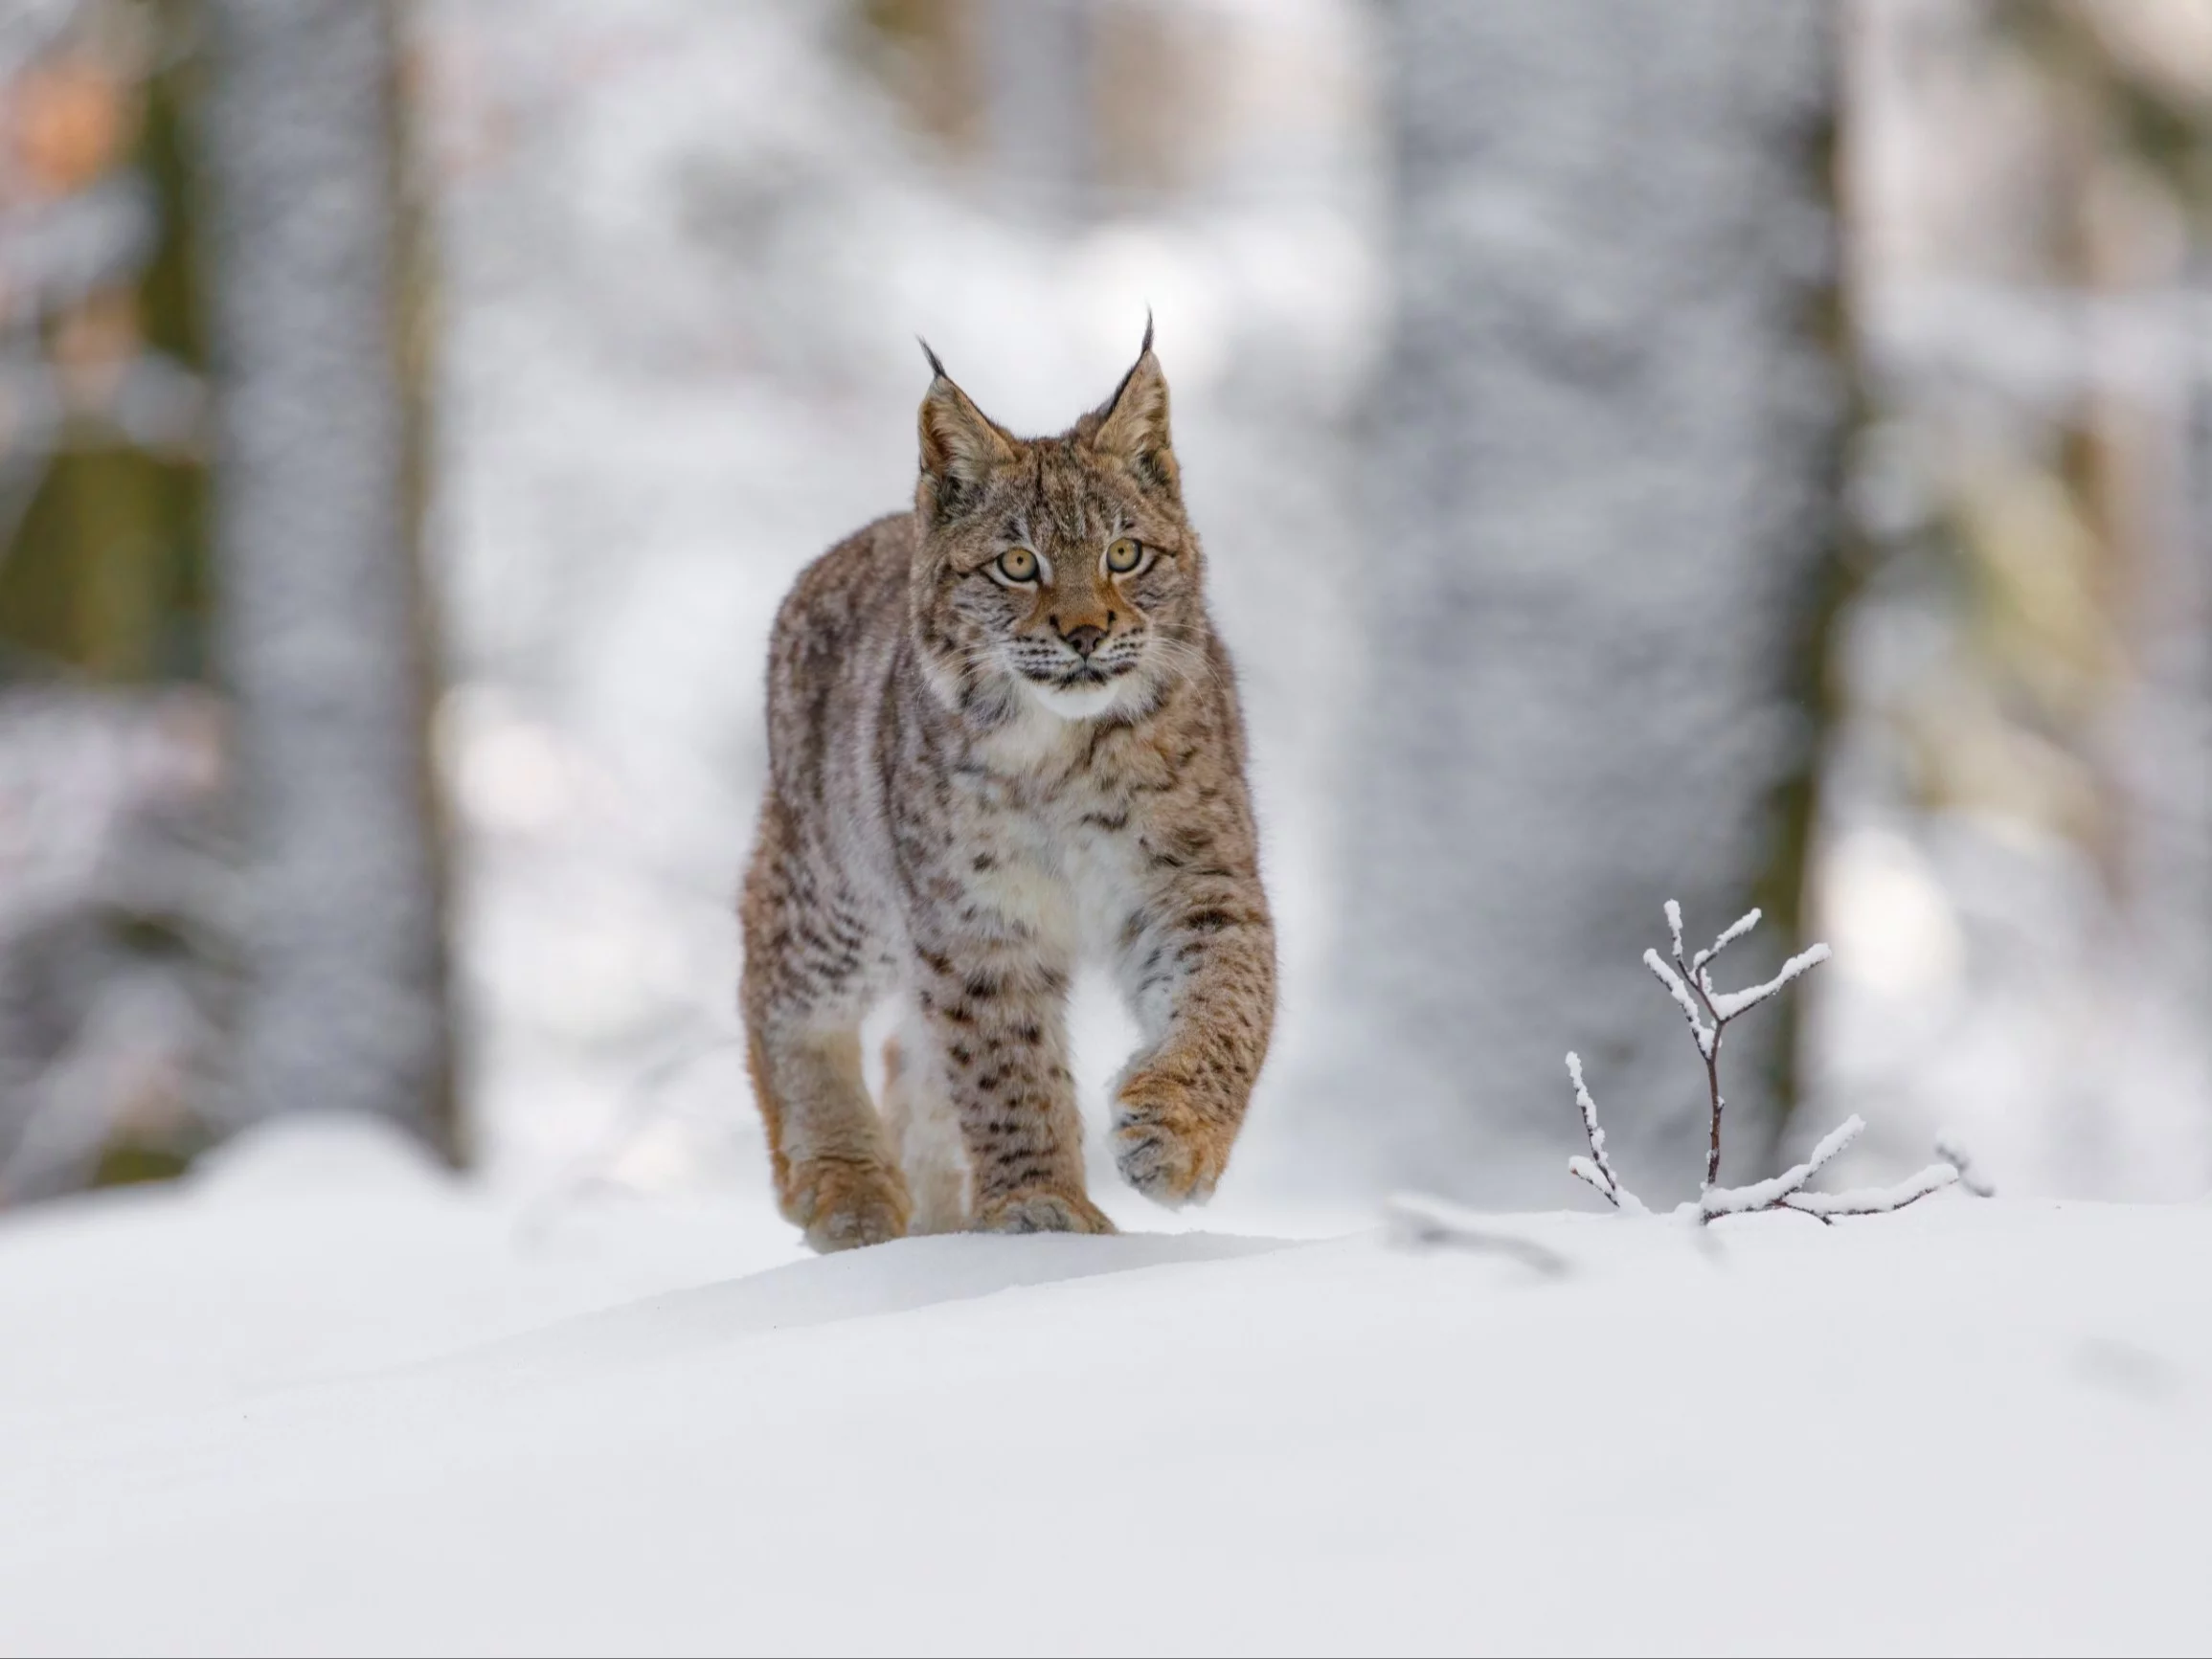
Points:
[(1004, 739)]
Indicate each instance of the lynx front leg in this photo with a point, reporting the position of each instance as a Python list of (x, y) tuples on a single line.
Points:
[(1001, 1027), (1199, 970)]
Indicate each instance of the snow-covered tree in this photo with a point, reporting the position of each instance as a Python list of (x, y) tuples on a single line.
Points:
[(1605, 445), (321, 607)]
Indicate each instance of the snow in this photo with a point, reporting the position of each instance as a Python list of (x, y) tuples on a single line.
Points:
[(328, 1399)]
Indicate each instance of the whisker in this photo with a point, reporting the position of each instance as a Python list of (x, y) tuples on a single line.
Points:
[(1183, 657)]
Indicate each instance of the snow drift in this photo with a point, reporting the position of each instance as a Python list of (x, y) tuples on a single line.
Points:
[(311, 1410)]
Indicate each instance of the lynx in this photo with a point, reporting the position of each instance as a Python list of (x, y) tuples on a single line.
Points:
[(1004, 739)]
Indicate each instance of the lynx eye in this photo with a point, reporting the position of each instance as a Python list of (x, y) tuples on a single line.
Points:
[(1124, 555), (1018, 565)]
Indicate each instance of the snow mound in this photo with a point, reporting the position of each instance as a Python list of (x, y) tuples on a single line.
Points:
[(1972, 1426), (306, 1154), (895, 1278)]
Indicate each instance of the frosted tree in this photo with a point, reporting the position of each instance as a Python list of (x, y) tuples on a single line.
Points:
[(1605, 445), (321, 614)]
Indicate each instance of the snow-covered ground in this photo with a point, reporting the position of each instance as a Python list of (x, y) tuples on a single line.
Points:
[(323, 1401)]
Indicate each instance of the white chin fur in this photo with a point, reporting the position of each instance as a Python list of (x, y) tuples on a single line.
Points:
[(1077, 702)]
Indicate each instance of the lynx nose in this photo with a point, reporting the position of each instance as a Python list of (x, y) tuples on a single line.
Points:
[(1085, 640)]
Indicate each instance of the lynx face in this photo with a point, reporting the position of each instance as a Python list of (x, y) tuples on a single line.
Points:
[(1060, 569)]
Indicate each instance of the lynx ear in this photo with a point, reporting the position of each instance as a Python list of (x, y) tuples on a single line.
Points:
[(959, 446), (1133, 423)]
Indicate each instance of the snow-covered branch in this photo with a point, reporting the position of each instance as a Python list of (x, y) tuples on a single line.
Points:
[(1875, 1200), (1596, 1169), (1708, 1012), (1766, 1194), (1786, 1191), (1706, 1035), (1729, 934), (1950, 1151), (1416, 1220), (1727, 1004)]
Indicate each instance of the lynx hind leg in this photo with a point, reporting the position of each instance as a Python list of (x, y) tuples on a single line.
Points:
[(803, 995), (924, 1133), (834, 1175)]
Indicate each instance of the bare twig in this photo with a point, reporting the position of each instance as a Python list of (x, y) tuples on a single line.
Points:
[(1679, 990), (1734, 931), (1418, 1220), (1951, 1151), (1771, 1193), (1688, 982), (1727, 1004), (1596, 1169), (1874, 1201), (1785, 1191)]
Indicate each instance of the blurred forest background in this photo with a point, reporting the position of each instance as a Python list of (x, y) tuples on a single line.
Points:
[(1734, 450)]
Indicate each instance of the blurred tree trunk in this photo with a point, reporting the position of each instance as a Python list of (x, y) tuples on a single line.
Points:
[(1606, 450), (1037, 77), (103, 567), (321, 607)]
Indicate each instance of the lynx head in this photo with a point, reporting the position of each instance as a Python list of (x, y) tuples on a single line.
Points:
[(1056, 568)]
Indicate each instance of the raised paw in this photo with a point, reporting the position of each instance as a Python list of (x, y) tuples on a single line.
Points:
[(1165, 1147), (843, 1205), (1041, 1212)]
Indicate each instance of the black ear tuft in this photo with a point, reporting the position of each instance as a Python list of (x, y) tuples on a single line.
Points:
[(960, 446), (937, 369), (1133, 423)]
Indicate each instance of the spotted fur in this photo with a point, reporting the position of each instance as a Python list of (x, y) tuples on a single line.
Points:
[(977, 782)]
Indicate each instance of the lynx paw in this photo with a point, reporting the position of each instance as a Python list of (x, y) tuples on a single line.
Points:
[(1165, 1147), (845, 1205), (1041, 1212)]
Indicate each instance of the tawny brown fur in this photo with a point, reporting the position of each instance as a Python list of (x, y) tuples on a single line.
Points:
[(993, 753)]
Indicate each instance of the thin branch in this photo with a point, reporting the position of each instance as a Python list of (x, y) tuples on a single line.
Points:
[(1680, 993), (1711, 1051), (1767, 1194), (1708, 1013), (1734, 931), (1417, 1219), (1873, 1201), (1950, 1151), (1785, 1191), (1596, 1169), (1727, 1004)]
